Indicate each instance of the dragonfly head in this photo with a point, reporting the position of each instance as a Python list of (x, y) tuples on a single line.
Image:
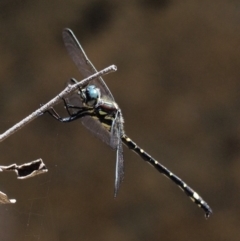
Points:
[(91, 95)]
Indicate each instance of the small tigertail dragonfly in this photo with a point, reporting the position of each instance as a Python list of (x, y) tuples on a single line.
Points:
[(95, 106)]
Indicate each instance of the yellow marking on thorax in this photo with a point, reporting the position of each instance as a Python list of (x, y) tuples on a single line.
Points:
[(107, 117), (102, 112)]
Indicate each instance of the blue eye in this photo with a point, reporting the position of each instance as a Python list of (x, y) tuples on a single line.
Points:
[(92, 93)]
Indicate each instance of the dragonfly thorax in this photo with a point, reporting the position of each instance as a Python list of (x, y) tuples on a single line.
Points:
[(90, 95)]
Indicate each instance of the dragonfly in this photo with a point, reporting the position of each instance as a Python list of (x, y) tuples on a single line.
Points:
[(95, 106)]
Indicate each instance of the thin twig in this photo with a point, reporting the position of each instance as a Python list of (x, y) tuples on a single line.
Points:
[(54, 101)]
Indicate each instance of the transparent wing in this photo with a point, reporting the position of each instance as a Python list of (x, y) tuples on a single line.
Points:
[(116, 140), (119, 173), (82, 62), (86, 68)]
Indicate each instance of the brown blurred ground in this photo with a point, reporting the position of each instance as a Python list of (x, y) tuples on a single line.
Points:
[(178, 84)]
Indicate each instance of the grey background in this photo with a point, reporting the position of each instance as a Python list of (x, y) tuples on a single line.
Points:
[(177, 83)]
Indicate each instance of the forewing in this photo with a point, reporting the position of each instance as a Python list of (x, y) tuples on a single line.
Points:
[(82, 62), (86, 68)]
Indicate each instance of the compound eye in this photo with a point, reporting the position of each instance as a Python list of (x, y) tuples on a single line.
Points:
[(92, 95), (92, 92)]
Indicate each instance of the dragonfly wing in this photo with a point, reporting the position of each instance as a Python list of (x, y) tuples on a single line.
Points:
[(97, 129), (116, 143), (119, 172), (82, 62)]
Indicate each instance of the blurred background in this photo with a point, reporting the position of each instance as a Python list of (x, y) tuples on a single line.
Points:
[(178, 85)]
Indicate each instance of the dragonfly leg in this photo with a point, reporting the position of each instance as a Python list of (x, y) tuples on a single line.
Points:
[(69, 106), (81, 113)]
